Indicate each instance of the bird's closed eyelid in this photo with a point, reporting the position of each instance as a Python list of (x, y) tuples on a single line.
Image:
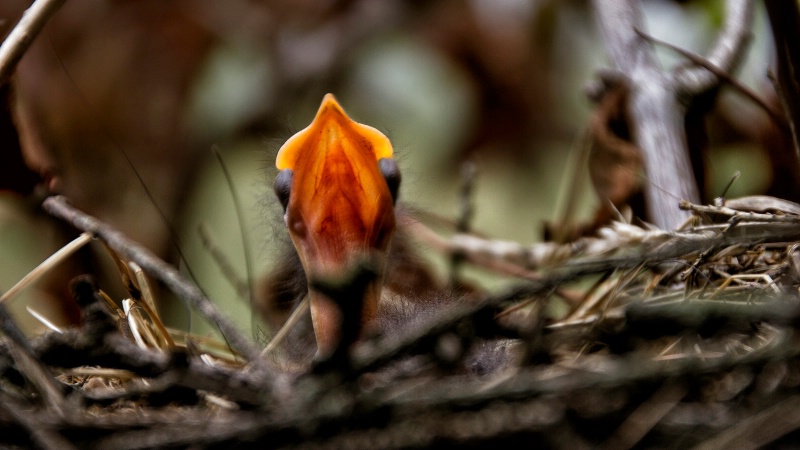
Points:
[(391, 173), (283, 187)]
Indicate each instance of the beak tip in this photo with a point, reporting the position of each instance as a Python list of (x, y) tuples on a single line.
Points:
[(329, 103)]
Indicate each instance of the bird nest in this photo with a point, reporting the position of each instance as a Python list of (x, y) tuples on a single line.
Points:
[(636, 338)]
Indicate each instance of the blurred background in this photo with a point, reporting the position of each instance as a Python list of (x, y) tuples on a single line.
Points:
[(116, 96)]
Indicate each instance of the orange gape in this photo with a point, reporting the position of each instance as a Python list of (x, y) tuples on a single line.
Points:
[(339, 208)]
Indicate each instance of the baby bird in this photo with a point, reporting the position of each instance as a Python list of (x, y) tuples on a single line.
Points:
[(338, 186)]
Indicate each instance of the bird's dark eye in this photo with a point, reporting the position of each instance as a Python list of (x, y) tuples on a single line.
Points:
[(391, 173), (283, 186)]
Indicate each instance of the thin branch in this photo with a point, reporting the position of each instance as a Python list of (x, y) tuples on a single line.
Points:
[(242, 287), (155, 267), (586, 374), (776, 117), (439, 243), (54, 259), (22, 36), (741, 215), (759, 430), (656, 117), (646, 416), (29, 365), (287, 327), (248, 258), (726, 52), (624, 246), (40, 433), (784, 18), (467, 211)]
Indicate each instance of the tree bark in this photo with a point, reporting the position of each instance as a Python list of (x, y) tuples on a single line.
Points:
[(658, 99)]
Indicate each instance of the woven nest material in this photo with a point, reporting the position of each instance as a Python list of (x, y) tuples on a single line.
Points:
[(669, 339)]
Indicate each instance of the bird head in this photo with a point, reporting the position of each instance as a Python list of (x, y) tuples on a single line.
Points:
[(338, 185)]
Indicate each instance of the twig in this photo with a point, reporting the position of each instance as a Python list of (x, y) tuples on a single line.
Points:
[(155, 267), (200, 432), (489, 262), (784, 19), (646, 416), (143, 286), (740, 215), (29, 365), (40, 433), (46, 265), (168, 342), (248, 259), (745, 90), (726, 52), (21, 37), (44, 320), (466, 212), (295, 317), (625, 246), (374, 354), (85, 371), (242, 287), (586, 374), (760, 430), (656, 115), (572, 185), (591, 304)]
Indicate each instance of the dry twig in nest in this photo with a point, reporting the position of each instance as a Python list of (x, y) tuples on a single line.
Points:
[(686, 337)]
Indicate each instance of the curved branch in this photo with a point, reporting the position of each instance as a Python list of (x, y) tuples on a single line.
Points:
[(21, 37), (155, 267), (727, 51)]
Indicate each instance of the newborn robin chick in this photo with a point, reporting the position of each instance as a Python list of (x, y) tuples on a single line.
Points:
[(338, 185)]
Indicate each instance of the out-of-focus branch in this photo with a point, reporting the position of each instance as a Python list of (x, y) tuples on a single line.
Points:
[(21, 37), (656, 116), (619, 20), (742, 88), (727, 51), (25, 417), (30, 365), (784, 18), (155, 267)]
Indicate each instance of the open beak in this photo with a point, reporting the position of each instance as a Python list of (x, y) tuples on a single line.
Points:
[(339, 212)]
